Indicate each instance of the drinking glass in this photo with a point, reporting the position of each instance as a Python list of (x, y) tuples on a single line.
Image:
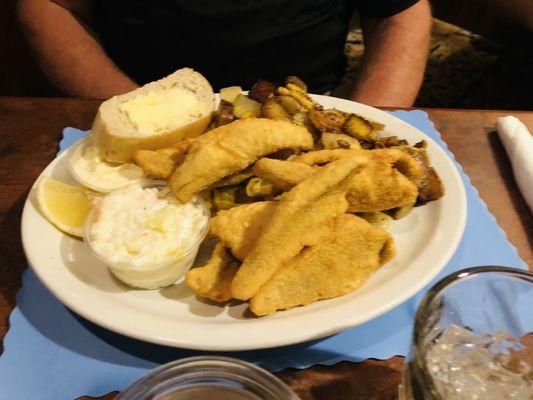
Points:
[(473, 338), (208, 378)]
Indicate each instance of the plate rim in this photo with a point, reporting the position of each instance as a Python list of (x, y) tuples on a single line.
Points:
[(296, 336)]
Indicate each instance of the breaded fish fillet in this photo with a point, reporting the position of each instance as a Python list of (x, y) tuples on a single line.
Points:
[(332, 268), (386, 178), (239, 227), (213, 280), (378, 187), (160, 163), (302, 218), (231, 148), (282, 174), (321, 157)]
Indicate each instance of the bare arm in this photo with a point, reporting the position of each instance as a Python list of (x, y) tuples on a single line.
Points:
[(396, 51), (66, 50)]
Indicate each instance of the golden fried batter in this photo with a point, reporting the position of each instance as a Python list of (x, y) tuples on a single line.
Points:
[(159, 164), (302, 218), (282, 174), (332, 268), (231, 148), (321, 157), (213, 280), (239, 227)]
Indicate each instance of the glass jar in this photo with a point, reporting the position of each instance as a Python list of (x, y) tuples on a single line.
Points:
[(473, 338), (208, 378)]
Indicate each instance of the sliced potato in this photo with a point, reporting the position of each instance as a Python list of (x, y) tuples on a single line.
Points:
[(359, 128), (328, 120), (274, 110), (230, 93), (294, 80), (225, 113), (290, 104), (244, 107), (301, 96)]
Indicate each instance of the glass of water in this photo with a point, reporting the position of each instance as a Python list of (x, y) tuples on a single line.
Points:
[(473, 338), (208, 378)]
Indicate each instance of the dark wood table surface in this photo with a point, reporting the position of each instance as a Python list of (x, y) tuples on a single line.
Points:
[(30, 130)]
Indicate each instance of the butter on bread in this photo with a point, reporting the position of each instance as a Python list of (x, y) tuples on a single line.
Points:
[(154, 116)]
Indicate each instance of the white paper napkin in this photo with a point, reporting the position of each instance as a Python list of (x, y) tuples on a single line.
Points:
[(519, 146)]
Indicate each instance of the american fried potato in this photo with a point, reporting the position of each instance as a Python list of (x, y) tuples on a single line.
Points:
[(361, 128), (327, 120), (274, 110)]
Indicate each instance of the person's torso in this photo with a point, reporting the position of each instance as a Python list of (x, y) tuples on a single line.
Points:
[(231, 42)]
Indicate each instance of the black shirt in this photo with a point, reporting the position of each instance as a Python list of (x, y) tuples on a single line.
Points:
[(234, 42)]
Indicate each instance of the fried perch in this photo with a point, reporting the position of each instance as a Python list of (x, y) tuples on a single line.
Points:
[(160, 163), (302, 218), (330, 269), (240, 227), (213, 280), (321, 157), (327, 120), (332, 141), (230, 149), (388, 178), (282, 174)]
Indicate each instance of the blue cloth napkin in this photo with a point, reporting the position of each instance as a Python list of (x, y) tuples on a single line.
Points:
[(51, 353)]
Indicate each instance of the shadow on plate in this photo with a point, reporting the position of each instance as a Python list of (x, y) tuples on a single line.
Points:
[(79, 260)]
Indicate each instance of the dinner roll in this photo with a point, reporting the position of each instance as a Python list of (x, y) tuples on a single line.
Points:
[(154, 116)]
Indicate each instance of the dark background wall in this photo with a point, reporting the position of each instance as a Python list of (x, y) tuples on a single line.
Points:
[(508, 23)]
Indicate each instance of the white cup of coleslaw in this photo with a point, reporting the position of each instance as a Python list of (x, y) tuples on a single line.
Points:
[(139, 238)]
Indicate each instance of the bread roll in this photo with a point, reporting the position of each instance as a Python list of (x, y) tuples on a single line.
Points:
[(154, 116)]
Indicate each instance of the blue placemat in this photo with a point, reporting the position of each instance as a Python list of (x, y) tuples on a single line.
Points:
[(51, 353)]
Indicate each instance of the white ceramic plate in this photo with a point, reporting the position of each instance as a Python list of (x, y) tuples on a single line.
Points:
[(174, 316)]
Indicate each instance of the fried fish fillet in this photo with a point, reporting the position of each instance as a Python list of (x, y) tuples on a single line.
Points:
[(160, 163), (302, 218), (332, 268), (213, 280), (239, 227), (386, 178), (282, 174), (377, 187), (231, 148), (321, 157)]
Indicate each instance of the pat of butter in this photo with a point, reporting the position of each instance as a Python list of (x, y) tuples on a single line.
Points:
[(157, 111)]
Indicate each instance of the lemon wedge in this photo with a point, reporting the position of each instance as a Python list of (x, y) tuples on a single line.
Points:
[(64, 205)]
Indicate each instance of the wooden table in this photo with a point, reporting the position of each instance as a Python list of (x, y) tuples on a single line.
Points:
[(30, 130)]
